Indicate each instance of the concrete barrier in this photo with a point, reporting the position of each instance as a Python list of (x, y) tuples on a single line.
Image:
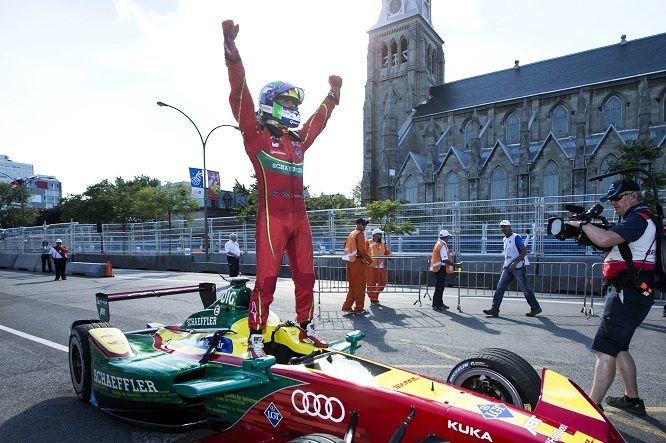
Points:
[(7, 260), (87, 269), (28, 262)]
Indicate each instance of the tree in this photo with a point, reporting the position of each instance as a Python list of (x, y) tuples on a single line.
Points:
[(357, 194), (247, 211), (386, 213), (641, 153), (165, 202), (329, 201), (14, 210)]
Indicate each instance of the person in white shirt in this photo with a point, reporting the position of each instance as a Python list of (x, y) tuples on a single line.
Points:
[(232, 248)]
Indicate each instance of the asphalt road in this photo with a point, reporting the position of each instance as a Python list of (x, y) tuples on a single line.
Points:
[(37, 403)]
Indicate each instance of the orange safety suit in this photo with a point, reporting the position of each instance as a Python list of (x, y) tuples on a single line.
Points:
[(356, 266), (376, 272)]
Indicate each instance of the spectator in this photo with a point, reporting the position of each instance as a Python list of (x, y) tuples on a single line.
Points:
[(46, 256), (441, 263), (357, 259), (376, 272), (234, 253), (59, 255), (514, 266)]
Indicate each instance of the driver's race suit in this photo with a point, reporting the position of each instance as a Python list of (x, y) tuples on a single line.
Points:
[(282, 222)]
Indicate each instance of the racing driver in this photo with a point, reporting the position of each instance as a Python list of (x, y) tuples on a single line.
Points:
[(276, 152)]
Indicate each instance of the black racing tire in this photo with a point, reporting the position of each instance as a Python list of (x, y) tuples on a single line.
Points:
[(499, 374), (80, 367), (317, 438)]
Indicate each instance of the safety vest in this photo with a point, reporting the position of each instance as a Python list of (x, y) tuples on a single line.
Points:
[(436, 259), (377, 250), (643, 251), (350, 251)]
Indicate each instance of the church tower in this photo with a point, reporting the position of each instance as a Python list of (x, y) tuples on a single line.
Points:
[(405, 59)]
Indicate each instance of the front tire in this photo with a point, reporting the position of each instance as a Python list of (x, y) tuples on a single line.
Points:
[(499, 374), (80, 367), (317, 438)]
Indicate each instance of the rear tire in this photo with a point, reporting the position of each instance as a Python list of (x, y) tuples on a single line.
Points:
[(80, 367), (317, 438), (499, 374)]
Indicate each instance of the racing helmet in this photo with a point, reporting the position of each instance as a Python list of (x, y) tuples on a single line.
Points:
[(273, 112)]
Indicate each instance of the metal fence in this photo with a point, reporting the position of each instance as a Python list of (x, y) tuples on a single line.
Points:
[(474, 225)]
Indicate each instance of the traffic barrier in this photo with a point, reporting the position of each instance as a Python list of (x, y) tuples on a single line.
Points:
[(86, 269)]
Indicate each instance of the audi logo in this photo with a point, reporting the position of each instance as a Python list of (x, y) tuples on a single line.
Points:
[(318, 405)]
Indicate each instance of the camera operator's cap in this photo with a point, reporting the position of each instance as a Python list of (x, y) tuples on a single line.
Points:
[(505, 223), (620, 186), (58, 241), (444, 233), (377, 231), (361, 221)]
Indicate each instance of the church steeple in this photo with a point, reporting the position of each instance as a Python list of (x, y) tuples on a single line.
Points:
[(405, 59)]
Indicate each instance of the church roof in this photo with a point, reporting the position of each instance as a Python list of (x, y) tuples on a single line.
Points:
[(615, 62)]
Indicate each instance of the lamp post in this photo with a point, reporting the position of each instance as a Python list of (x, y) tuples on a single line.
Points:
[(205, 178)]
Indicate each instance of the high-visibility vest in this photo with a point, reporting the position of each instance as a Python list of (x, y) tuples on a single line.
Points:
[(377, 250), (436, 259)]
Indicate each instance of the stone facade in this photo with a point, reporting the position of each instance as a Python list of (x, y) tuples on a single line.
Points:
[(535, 130)]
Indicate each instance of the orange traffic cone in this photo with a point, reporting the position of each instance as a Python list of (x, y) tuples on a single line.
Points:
[(109, 269)]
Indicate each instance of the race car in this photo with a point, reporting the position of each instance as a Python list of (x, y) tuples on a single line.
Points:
[(199, 374)]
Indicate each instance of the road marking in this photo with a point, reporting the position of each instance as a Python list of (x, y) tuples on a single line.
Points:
[(643, 426), (35, 339)]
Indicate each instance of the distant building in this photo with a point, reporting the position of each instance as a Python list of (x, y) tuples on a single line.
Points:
[(541, 129), (45, 190)]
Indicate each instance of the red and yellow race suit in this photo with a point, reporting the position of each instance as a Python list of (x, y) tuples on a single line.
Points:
[(282, 222)]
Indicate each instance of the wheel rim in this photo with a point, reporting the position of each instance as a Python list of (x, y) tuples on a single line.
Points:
[(491, 384), (76, 366)]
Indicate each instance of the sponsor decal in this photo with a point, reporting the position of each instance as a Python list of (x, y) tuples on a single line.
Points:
[(275, 151), (223, 345), (469, 430), (228, 297), (273, 415), (288, 168), (216, 311), (122, 383), (201, 321), (405, 382), (298, 152), (532, 424), (457, 372), (494, 410), (318, 405), (557, 434)]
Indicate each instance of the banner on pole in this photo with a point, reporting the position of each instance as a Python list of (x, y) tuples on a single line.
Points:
[(213, 185), (196, 182)]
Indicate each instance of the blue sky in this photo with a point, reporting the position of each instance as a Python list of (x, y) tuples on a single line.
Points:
[(80, 78)]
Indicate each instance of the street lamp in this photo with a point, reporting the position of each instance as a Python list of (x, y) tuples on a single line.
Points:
[(205, 178)]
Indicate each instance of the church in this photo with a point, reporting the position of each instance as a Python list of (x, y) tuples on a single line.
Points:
[(540, 129)]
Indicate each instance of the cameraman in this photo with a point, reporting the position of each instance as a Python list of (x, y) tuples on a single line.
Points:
[(627, 304)]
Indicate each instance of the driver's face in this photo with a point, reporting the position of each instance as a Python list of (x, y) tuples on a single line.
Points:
[(287, 102)]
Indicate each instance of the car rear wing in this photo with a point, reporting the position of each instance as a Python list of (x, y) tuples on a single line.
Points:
[(206, 292)]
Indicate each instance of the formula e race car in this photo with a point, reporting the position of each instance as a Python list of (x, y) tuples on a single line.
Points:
[(199, 374)]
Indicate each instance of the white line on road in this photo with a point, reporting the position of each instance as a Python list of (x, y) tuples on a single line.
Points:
[(35, 339)]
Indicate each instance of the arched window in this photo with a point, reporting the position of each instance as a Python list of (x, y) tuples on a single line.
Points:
[(603, 169), (551, 179), (512, 129), (411, 190), (403, 50), (498, 185), (385, 56), (467, 143), (452, 187), (394, 53), (560, 122), (613, 113)]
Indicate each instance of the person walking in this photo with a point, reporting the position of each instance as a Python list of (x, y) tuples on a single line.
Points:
[(376, 272), (629, 270), (277, 153), (514, 267), (46, 256), (442, 264), (357, 258), (234, 253), (59, 255)]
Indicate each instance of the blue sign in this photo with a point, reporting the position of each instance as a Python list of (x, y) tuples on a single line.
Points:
[(273, 415), (494, 410), (196, 178)]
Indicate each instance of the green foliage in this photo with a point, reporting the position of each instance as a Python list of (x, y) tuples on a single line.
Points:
[(14, 210), (165, 202), (641, 153), (357, 194), (329, 201), (248, 211), (385, 212)]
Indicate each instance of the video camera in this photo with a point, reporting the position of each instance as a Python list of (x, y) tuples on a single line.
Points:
[(562, 231)]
